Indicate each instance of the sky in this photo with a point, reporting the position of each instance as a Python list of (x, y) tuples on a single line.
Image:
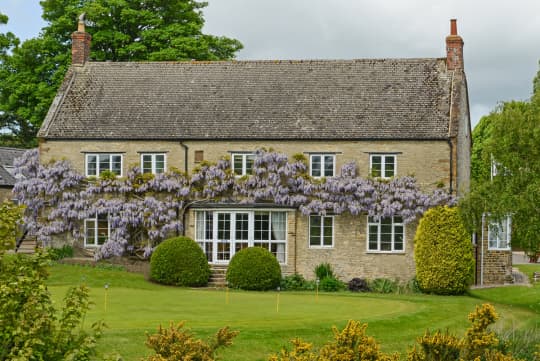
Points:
[(502, 38)]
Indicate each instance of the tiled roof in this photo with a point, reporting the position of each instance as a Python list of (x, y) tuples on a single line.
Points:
[(314, 99), (7, 156)]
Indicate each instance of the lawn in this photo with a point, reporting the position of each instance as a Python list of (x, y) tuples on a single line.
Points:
[(131, 306)]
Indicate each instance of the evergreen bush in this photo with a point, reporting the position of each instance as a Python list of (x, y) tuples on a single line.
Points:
[(443, 253), (179, 261), (254, 268)]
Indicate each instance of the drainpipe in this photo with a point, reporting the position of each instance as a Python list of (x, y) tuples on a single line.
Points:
[(186, 152), (451, 165), (482, 252)]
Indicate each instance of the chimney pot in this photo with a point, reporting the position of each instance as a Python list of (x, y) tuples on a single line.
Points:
[(453, 27)]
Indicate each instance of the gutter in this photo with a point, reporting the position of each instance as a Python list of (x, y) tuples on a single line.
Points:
[(186, 151)]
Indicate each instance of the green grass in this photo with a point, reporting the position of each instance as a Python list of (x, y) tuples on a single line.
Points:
[(135, 306)]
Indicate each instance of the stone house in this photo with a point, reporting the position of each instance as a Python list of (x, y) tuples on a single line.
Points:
[(7, 180), (391, 116)]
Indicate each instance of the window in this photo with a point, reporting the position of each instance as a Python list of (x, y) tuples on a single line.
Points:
[(386, 235), (153, 163), (321, 231), (499, 234), (199, 156), (223, 233), (205, 233), (97, 163), (96, 231), (242, 163), (269, 233), (322, 165), (383, 166)]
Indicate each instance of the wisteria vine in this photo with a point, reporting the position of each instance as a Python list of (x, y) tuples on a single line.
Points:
[(144, 209)]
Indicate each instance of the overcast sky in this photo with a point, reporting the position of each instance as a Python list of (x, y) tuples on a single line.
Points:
[(502, 38)]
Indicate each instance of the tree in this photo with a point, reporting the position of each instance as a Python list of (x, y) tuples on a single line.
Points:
[(122, 30), (511, 140)]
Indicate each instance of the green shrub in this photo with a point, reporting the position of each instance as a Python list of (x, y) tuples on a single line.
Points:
[(324, 270), (179, 261), (383, 285), (331, 284), (32, 328), (296, 282), (66, 251), (443, 253), (254, 268), (10, 219)]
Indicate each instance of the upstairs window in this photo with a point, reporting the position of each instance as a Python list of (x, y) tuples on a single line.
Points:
[(382, 165), (499, 234), (242, 163), (322, 165), (97, 163), (153, 163), (386, 234)]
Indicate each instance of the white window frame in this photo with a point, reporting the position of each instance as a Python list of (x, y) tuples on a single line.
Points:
[(324, 157), (153, 169), (244, 156), (95, 228), (321, 244), (378, 223), (383, 164), (495, 242), (98, 169), (209, 240)]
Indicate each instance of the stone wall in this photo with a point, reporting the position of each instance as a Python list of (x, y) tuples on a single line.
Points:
[(5, 194), (428, 161), (349, 256)]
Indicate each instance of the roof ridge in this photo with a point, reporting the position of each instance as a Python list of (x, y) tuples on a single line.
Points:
[(268, 61)]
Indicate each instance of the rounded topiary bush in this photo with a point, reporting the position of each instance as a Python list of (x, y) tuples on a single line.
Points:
[(179, 261), (443, 253), (254, 268)]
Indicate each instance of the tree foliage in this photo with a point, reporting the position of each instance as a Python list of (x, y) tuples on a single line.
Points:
[(122, 30), (510, 138), (30, 326), (10, 221), (144, 209), (443, 253)]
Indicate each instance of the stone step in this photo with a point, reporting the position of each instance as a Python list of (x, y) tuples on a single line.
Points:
[(28, 246), (217, 276)]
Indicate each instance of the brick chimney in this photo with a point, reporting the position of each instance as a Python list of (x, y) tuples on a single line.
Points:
[(454, 48), (80, 44)]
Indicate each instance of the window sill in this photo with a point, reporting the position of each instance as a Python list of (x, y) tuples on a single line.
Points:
[(321, 247), (386, 252)]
